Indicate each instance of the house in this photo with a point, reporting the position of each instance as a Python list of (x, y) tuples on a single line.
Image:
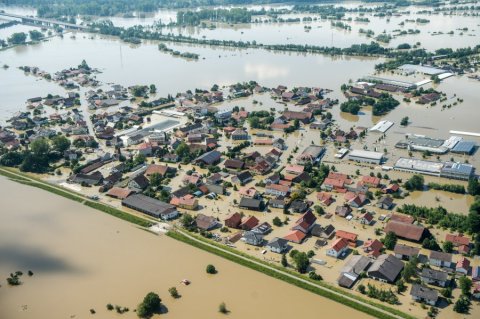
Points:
[(249, 222), (278, 245), (325, 198), (402, 218), (272, 179), (463, 266), (205, 222), (391, 188), (476, 273), (294, 169), (295, 236), (440, 259), (264, 228), (311, 154), (193, 179), (461, 242), (385, 268), (405, 252), (323, 232), (239, 134), (405, 231), (335, 181), (350, 237), (373, 248), (87, 179), (150, 206), (424, 295), (476, 290), (234, 220), (370, 181), (277, 190), (251, 204), (119, 193), (253, 238), (305, 222), (366, 218), (138, 183), (299, 206), (157, 169), (352, 270), (248, 191), (343, 211), (355, 200), (338, 248), (242, 178), (434, 277), (234, 164), (185, 202), (278, 202), (385, 202), (209, 158), (279, 143)]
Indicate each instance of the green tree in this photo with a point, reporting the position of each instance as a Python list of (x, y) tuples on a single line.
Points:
[(465, 285), (284, 260), (153, 89), (473, 187), (60, 143), (222, 308), (462, 305), (17, 38), (182, 150), (277, 222), (173, 292), (211, 269), (40, 147), (301, 262), (35, 35), (474, 217), (415, 183), (155, 180), (447, 246), (150, 305), (390, 240)]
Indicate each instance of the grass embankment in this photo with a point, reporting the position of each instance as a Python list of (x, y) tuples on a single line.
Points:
[(297, 282), (30, 181)]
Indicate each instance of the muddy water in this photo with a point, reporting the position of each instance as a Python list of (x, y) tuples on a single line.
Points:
[(84, 259)]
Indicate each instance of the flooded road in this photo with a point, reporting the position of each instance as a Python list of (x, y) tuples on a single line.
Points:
[(86, 259)]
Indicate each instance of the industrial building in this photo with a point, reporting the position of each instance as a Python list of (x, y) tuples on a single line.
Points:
[(457, 171), (450, 170), (381, 126), (362, 156), (464, 147)]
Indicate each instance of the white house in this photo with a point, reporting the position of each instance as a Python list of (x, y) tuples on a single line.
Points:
[(338, 248)]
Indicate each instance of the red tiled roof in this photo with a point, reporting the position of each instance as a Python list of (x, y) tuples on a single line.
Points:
[(463, 263), (159, 169), (458, 240), (249, 222), (120, 193), (295, 236), (405, 230), (351, 237), (339, 244)]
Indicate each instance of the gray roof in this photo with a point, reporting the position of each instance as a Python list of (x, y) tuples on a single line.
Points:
[(209, 157), (278, 243), (434, 274), (148, 205), (356, 264), (252, 236), (388, 266), (406, 250), (458, 168), (424, 292), (464, 147), (438, 255), (250, 202)]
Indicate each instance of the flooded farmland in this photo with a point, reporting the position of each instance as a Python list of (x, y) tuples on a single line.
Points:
[(83, 259)]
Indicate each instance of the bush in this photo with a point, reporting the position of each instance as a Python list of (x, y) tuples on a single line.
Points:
[(109, 307), (211, 269), (222, 308), (173, 292)]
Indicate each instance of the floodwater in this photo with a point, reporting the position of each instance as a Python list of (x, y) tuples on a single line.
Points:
[(84, 259)]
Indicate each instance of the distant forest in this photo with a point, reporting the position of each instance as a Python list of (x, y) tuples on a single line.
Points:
[(59, 8)]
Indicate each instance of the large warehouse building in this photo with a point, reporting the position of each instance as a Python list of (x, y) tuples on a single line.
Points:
[(362, 156)]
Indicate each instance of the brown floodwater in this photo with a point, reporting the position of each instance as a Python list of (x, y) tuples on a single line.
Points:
[(83, 259)]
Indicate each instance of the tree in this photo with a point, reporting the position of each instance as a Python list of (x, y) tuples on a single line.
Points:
[(155, 180), (151, 304), (465, 285), (319, 210), (60, 143), (415, 183), (153, 89), (447, 246), (277, 221), (211, 269), (222, 308), (284, 261), (301, 262), (404, 121), (40, 147), (430, 243), (473, 187), (401, 287), (410, 269), (474, 217), (462, 305), (17, 38), (390, 240), (35, 35), (182, 150), (173, 292)]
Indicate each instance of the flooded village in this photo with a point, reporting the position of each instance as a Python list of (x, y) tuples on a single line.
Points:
[(355, 174)]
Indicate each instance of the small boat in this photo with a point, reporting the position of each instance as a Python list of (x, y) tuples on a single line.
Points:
[(186, 282)]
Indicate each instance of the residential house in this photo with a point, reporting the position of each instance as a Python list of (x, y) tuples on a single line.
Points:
[(311, 154), (205, 222), (87, 179), (405, 252), (157, 169), (350, 237), (366, 219), (209, 158), (440, 259), (305, 222), (242, 178), (299, 206), (385, 268), (278, 245), (277, 190), (373, 248), (185, 202), (476, 273), (233, 220), (239, 134), (138, 183), (119, 193), (323, 232), (385, 202), (325, 198), (463, 266), (461, 242), (279, 143), (338, 248), (295, 236), (343, 211), (391, 188), (248, 191), (264, 228), (352, 270), (355, 200), (234, 164), (434, 277), (370, 181), (253, 238), (248, 223), (424, 295)]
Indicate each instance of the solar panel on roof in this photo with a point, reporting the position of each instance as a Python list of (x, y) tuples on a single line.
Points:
[(464, 147)]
